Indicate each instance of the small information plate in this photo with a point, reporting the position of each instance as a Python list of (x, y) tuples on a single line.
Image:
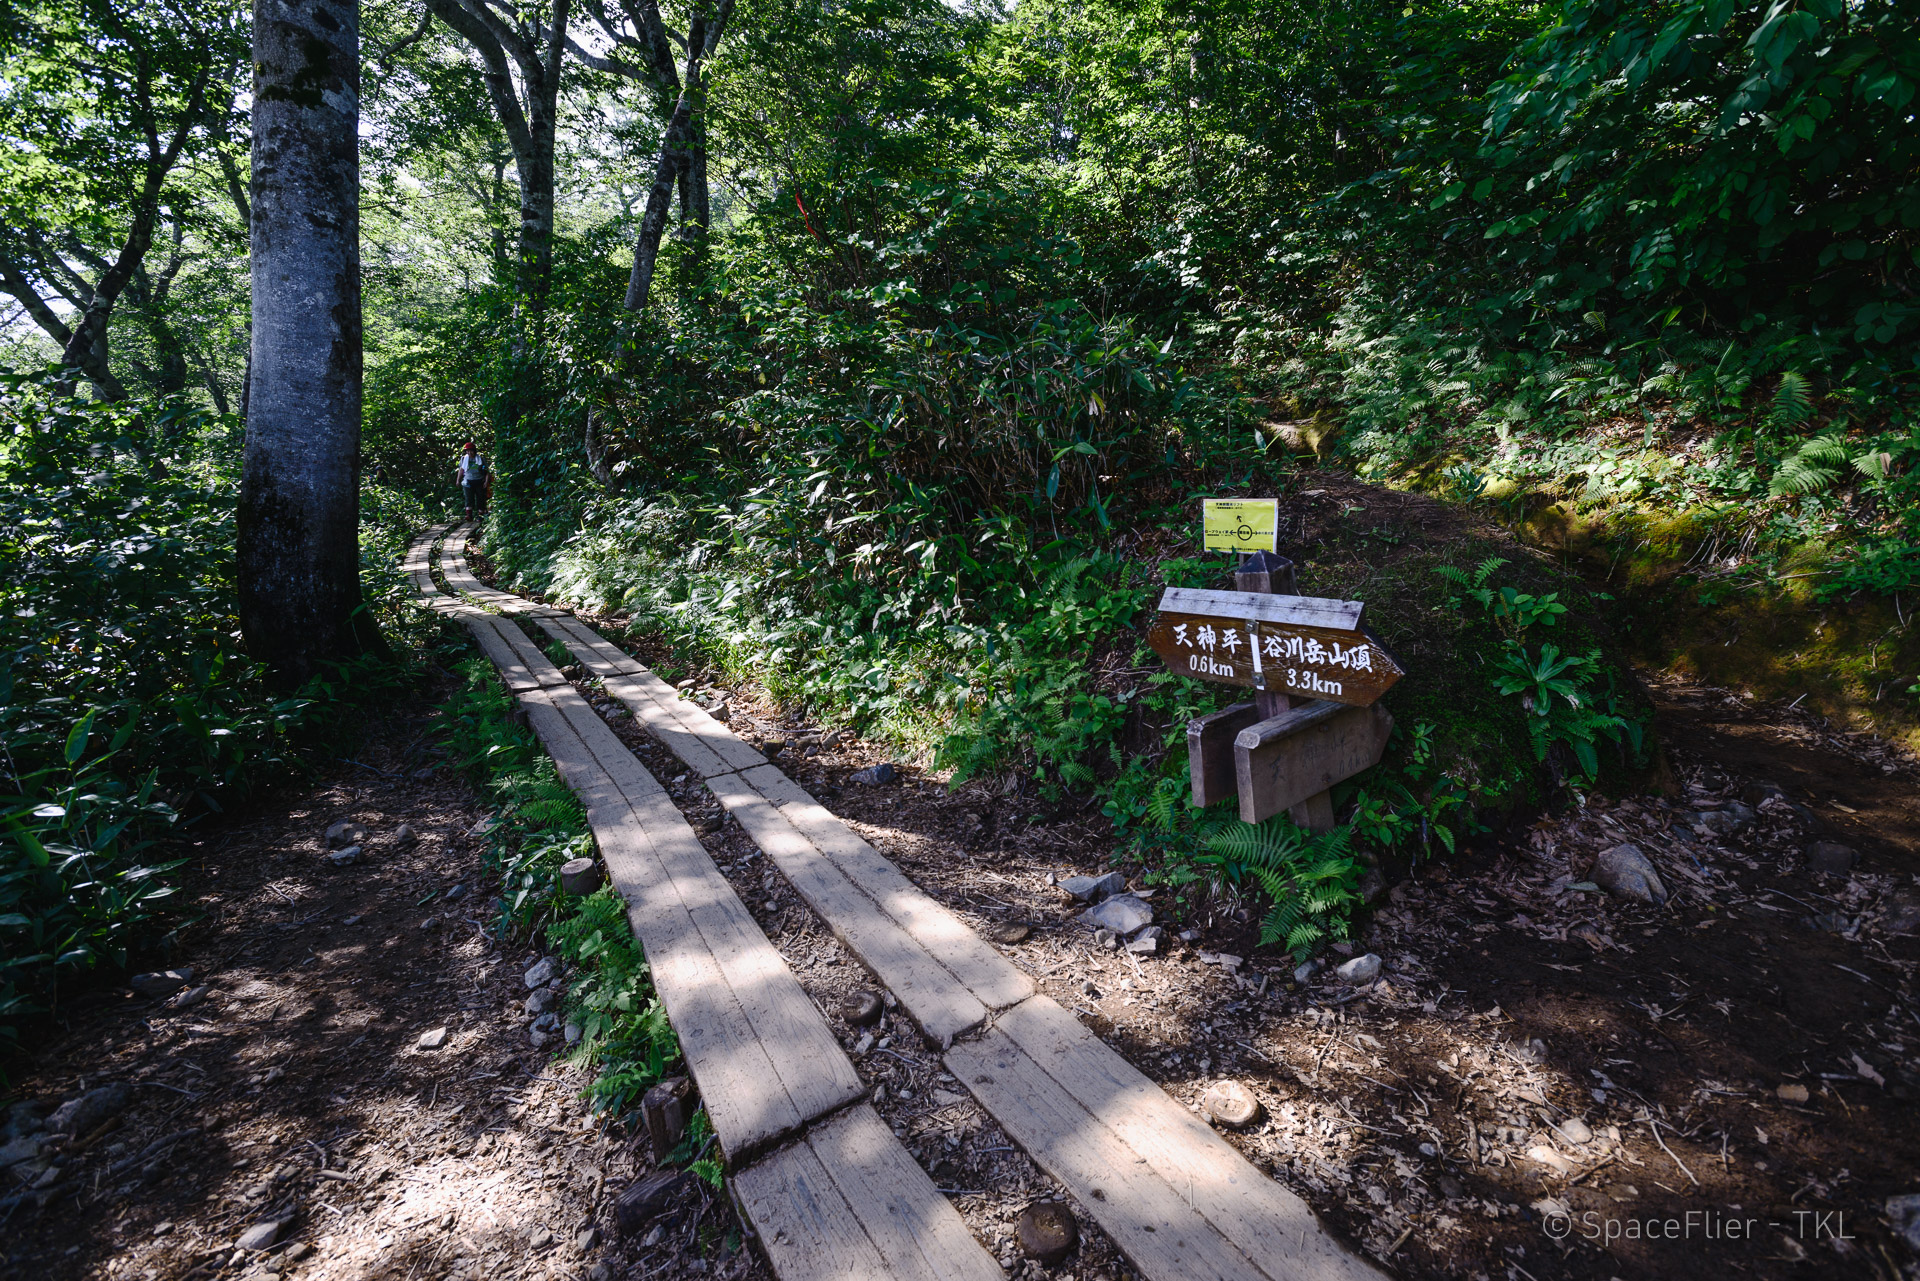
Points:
[(1241, 524), (1297, 645)]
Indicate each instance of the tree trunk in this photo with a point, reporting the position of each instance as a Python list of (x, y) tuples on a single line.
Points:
[(653, 224), (299, 556)]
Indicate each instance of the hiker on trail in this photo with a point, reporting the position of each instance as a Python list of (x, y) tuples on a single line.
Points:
[(475, 478)]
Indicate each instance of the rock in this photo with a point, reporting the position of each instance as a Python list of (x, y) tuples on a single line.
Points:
[(403, 836), (455, 892), (548, 1022), (160, 982), (431, 923), (1147, 941), (91, 1110), (1902, 912), (580, 876), (1009, 932), (1757, 793), (191, 997), (645, 1199), (1575, 1131), (1740, 815), (345, 833), (346, 857), (1831, 858), (1451, 1188), (1123, 914), (1230, 1103), (1091, 889), (538, 1039), (874, 775), (1792, 1093), (689, 683), (1625, 872), (261, 1236), (1189, 936), (1307, 971), (1105, 940), (434, 1039), (863, 1008), (25, 1117), (1373, 886), (1046, 1232), (24, 1148), (571, 1034), (1546, 1156), (297, 1251), (539, 1001), (1361, 969), (1903, 1212), (541, 1240), (544, 971), (586, 1238)]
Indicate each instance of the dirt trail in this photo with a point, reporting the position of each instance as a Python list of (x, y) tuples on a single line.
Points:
[(298, 1090)]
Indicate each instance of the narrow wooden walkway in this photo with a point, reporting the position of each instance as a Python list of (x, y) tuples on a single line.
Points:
[(843, 1198)]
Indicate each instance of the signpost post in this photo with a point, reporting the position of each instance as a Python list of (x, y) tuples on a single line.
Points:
[(1317, 675)]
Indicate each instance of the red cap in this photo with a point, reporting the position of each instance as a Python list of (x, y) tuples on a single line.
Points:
[(468, 445)]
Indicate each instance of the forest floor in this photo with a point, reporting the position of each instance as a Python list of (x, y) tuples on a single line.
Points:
[(1727, 1082)]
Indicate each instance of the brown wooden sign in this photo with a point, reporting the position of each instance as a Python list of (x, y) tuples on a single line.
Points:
[(1281, 644)]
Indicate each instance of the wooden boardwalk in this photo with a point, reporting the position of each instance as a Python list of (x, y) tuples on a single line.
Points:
[(827, 1187)]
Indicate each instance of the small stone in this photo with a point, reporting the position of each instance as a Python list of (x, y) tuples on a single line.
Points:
[(1091, 889), (85, 1114), (161, 982), (25, 1148), (1047, 1232), (1105, 939), (571, 1034), (1740, 816), (863, 1008), (538, 1039), (541, 1240), (544, 971), (1575, 1131), (456, 892), (1451, 1188), (548, 1022), (346, 857), (1757, 793), (1087, 988), (403, 835), (1361, 969), (1903, 1212), (1831, 858), (431, 923), (1008, 933), (1146, 942), (191, 997), (434, 1039), (687, 684), (1792, 1093), (580, 876), (1307, 971), (1230, 1103), (23, 1118), (773, 744), (874, 775), (1902, 912), (260, 1236), (586, 1238), (1546, 1156), (1123, 914), (539, 1001), (297, 1251), (1189, 936), (345, 833), (1625, 872)]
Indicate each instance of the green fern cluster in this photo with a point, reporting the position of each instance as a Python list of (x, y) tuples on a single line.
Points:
[(1312, 879)]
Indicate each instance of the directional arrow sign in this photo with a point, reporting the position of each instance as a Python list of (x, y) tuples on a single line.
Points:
[(1298, 645)]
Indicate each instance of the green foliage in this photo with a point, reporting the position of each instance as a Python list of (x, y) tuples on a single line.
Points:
[(1313, 880)]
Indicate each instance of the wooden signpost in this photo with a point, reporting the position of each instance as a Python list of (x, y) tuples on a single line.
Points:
[(1317, 673)]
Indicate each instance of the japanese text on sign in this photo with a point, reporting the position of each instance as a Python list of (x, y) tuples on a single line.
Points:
[(1241, 524)]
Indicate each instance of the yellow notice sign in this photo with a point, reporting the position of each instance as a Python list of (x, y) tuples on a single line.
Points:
[(1242, 524)]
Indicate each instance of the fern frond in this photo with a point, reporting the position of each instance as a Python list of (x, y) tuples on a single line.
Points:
[(1809, 469), (1792, 401), (1874, 465)]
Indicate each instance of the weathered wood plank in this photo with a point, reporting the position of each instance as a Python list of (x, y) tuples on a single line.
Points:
[(660, 722), (933, 997), (499, 650), (1300, 753), (991, 977), (1300, 611), (1267, 1223), (739, 1084), (804, 1222), (1210, 752), (916, 1229), (542, 668), (1164, 1238)]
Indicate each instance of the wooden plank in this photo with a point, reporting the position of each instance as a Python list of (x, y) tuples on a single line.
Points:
[(807, 1059), (915, 1228), (1161, 1235), (991, 977), (1283, 761), (1210, 752), (1262, 1219), (597, 655), (1300, 611), (739, 1084), (1311, 662), (664, 725), (499, 650), (933, 998), (531, 656), (804, 1222)]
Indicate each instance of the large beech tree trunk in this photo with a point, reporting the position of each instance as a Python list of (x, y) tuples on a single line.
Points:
[(299, 515)]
